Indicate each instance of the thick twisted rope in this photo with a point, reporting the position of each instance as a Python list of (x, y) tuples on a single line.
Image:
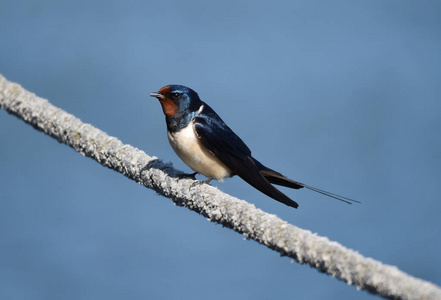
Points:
[(301, 245)]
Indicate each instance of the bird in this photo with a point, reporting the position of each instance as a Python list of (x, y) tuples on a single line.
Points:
[(209, 147)]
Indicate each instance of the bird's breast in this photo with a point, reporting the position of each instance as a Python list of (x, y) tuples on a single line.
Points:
[(188, 147)]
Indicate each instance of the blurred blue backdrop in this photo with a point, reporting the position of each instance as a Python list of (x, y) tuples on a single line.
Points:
[(340, 95)]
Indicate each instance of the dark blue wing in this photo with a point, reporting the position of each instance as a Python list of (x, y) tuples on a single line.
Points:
[(220, 140), (218, 137)]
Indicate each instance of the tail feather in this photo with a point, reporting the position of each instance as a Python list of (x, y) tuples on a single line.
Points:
[(249, 172), (277, 178), (332, 195)]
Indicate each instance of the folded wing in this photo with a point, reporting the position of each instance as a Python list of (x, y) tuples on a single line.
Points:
[(218, 138)]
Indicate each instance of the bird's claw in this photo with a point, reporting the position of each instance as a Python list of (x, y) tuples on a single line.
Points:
[(199, 182)]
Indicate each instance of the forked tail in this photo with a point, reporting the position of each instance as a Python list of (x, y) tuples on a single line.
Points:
[(277, 178)]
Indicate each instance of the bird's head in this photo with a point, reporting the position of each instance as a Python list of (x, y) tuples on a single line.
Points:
[(177, 100)]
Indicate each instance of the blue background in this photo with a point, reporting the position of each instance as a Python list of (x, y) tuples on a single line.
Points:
[(340, 95)]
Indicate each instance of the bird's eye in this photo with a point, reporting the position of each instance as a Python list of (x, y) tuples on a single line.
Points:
[(175, 96)]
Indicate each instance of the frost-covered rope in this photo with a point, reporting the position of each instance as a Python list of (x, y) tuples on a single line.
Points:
[(301, 245)]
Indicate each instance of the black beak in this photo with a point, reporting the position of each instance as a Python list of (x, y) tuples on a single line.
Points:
[(157, 95)]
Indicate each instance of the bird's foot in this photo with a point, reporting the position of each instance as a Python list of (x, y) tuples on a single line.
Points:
[(184, 176), (199, 182)]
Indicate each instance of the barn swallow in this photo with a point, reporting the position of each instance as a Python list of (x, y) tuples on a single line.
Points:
[(209, 147)]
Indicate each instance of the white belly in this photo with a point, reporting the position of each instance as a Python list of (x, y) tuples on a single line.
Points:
[(188, 147)]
